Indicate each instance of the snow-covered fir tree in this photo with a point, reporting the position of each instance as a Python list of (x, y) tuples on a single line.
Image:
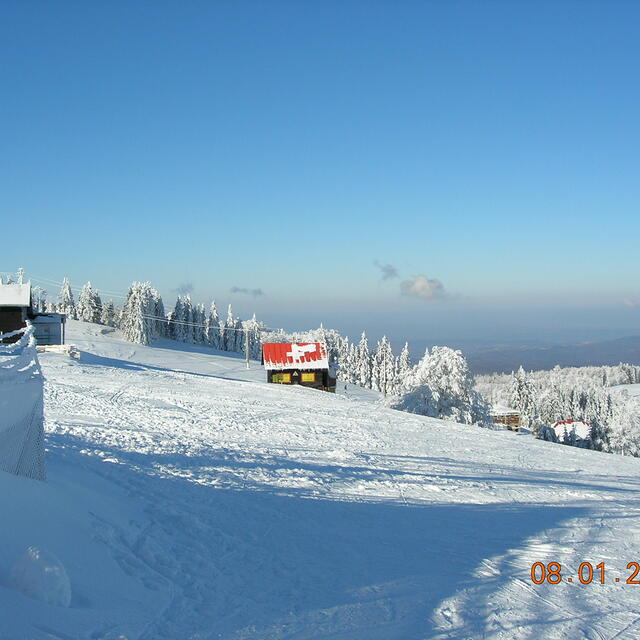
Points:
[(522, 397), (89, 308), (363, 375), (66, 302), (179, 329), (441, 386), (161, 324), (386, 365), (229, 331), (212, 327), (188, 334), (403, 368), (352, 364), (254, 329), (108, 316), (199, 319), (39, 300), (138, 322)]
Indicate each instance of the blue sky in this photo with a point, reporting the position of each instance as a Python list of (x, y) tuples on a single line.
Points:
[(287, 146)]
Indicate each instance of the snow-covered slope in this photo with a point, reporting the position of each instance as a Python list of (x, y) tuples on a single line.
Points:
[(189, 499), (631, 389)]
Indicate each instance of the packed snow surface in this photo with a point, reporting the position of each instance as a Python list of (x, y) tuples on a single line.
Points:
[(186, 498)]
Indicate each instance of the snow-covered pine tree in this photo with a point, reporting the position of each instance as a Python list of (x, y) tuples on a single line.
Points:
[(364, 362), (199, 319), (522, 396), (187, 305), (160, 324), (450, 396), (212, 327), (137, 322), (67, 304), (171, 325), (229, 331), (255, 345), (89, 308), (375, 369), (178, 327), (97, 306), (625, 427), (403, 368), (344, 372), (108, 315), (352, 364), (83, 308), (38, 300), (239, 336), (386, 365)]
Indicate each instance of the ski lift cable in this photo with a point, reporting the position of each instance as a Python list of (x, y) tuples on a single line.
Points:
[(148, 316), (78, 289)]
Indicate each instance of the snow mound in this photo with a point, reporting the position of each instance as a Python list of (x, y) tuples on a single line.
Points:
[(40, 575)]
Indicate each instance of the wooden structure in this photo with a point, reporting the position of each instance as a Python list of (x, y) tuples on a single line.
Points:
[(510, 418), (16, 309), (302, 363)]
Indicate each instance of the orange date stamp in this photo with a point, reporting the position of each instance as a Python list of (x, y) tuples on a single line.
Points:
[(551, 573)]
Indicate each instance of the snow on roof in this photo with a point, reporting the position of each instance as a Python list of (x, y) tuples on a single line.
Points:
[(501, 410), (15, 295), (581, 428), (295, 355)]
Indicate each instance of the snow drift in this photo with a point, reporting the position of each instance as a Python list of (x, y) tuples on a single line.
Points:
[(21, 408)]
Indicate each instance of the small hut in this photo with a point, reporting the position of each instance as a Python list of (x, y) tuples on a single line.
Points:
[(303, 363), (49, 328), (506, 416), (16, 309)]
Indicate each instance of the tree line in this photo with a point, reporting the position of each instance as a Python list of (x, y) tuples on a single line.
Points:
[(439, 385)]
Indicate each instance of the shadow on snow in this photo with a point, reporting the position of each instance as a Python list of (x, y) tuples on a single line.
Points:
[(258, 561)]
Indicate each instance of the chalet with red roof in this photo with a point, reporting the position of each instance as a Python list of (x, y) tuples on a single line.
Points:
[(303, 363), (571, 430)]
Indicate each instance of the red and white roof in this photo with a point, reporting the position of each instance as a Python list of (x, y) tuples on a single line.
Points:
[(580, 427), (295, 355)]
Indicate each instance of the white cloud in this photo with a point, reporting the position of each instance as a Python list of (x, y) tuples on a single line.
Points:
[(631, 303), (424, 288)]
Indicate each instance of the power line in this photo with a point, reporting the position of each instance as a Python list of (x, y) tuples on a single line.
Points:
[(100, 307)]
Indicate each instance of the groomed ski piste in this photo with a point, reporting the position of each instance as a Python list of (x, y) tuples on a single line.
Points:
[(186, 498)]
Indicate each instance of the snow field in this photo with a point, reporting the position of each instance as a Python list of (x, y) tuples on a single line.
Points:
[(189, 499)]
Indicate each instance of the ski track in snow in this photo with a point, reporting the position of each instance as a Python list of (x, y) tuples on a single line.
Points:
[(255, 511)]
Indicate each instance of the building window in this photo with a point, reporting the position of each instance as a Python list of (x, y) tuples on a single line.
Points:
[(308, 377), (282, 378)]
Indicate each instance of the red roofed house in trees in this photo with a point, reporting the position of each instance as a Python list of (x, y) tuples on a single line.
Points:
[(303, 363)]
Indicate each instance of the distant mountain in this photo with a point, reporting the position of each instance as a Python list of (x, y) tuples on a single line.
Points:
[(509, 358)]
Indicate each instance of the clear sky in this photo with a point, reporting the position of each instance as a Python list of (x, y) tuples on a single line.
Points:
[(421, 166)]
